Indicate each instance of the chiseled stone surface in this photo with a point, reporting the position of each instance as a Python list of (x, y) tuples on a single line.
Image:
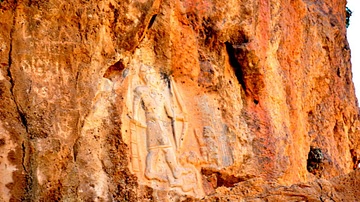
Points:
[(173, 100)]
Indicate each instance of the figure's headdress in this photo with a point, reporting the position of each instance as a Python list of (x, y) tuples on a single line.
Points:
[(144, 71)]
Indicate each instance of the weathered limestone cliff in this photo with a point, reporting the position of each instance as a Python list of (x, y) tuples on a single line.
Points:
[(173, 100)]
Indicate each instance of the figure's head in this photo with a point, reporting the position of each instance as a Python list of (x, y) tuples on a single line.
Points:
[(148, 74)]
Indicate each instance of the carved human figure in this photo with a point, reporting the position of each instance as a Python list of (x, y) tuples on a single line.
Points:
[(158, 111), (212, 153), (213, 150), (208, 147)]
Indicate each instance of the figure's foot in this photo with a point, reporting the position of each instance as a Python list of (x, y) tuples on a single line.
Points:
[(181, 184), (153, 176), (176, 183), (178, 172), (187, 188)]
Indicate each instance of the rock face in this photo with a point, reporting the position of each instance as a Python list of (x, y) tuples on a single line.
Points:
[(177, 100)]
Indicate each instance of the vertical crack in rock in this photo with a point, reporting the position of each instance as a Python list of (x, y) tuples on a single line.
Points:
[(9, 74), (76, 147), (23, 156), (24, 149), (28, 172), (152, 20), (12, 82), (355, 159), (321, 197), (235, 64)]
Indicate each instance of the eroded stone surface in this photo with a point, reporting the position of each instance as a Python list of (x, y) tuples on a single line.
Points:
[(175, 100)]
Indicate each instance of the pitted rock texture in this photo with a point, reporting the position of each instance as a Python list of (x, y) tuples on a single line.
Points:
[(242, 91)]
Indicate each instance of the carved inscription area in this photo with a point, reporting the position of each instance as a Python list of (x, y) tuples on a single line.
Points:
[(51, 69), (50, 64)]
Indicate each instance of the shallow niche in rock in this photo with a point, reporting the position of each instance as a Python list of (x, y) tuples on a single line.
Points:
[(315, 161), (114, 70), (355, 158), (2, 142)]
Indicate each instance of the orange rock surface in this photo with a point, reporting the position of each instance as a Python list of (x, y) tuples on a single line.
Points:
[(177, 100)]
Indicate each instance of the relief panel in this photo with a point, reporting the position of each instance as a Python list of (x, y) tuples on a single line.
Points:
[(171, 138), (155, 127)]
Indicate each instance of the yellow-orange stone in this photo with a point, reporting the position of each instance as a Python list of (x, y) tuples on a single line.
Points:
[(174, 100)]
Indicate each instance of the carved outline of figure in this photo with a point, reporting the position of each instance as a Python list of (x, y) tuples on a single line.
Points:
[(208, 146), (151, 98), (213, 150)]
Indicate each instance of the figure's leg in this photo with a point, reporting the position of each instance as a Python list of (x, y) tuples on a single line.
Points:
[(170, 157), (150, 173)]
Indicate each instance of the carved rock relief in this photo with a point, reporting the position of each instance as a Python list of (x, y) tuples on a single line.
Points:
[(167, 150), (213, 138), (157, 126)]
